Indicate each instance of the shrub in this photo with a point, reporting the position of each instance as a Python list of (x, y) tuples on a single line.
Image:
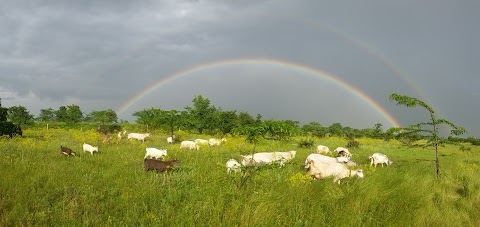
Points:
[(353, 143), (307, 143)]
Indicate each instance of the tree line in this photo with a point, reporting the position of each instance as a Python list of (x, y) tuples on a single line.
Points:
[(203, 117)]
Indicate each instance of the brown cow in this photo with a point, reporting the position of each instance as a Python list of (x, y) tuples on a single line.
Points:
[(66, 151), (160, 166)]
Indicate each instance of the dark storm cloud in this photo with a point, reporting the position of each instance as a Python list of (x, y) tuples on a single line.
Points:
[(98, 54)]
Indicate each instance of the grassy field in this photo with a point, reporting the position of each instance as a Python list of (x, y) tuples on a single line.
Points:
[(38, 186)]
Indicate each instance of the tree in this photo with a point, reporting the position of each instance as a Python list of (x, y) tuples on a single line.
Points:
[(61, 114), (150, 117), (227, 120), (336, 129), (74, 114), (244, 119), (70, 114), (7, 127), (46, 115), (201, 114), (280, 130), (103, 117), (170, 118), (315, 128), (20, 116), (432, 134)]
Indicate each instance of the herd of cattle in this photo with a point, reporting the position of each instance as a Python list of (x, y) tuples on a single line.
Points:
[(318, 165)]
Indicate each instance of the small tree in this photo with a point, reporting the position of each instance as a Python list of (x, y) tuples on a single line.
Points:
[(432, 135), (20, 116), (7, 127)]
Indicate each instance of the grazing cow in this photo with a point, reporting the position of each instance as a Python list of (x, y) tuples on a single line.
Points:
[(216, 142), (170, 140), (325, 159), (261, 158), (233, 166), (189, 144), (89, 148), (321, 149), (66, 151), (338, 171), (160, 166), (201, 142), (155, 153), (138, 136), (341, 151), (379, 158)]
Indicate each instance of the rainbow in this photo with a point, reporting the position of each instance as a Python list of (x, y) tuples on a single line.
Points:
[(269, 62)]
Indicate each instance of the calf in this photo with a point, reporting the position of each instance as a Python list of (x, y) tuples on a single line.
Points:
[(66, 151), (160, 166)]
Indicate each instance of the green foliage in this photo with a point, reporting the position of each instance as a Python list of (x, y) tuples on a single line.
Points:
[(353, 143), (432, 134), (102, 117), (7, 127), (40, 187), (280, 130), (69, 114), (464, 148), (105, 129), (47, 115), (306, 143), (20, 116), (201, 115), (315, 129)]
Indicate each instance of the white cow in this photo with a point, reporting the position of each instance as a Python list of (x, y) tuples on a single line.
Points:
[(201, 142), (341, 151), (89, 148), (321, 149), (155, 153), (170, 139), (138, 136), (262, 158), (324, 158), (233, 166), (189, 144), (379, 158), (319, 170), (216, 142)]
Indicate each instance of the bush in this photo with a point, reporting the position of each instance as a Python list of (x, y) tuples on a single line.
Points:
[(353, 143), (307, 143), (10, 129)]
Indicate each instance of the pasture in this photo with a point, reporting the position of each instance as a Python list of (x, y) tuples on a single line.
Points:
[(39, 186)]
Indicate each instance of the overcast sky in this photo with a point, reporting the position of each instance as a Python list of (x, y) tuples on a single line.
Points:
[(100, 54)]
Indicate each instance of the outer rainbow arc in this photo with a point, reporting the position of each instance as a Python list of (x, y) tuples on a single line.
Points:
[(263, 61)]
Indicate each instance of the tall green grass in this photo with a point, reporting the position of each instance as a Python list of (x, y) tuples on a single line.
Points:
[(38, 186)]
